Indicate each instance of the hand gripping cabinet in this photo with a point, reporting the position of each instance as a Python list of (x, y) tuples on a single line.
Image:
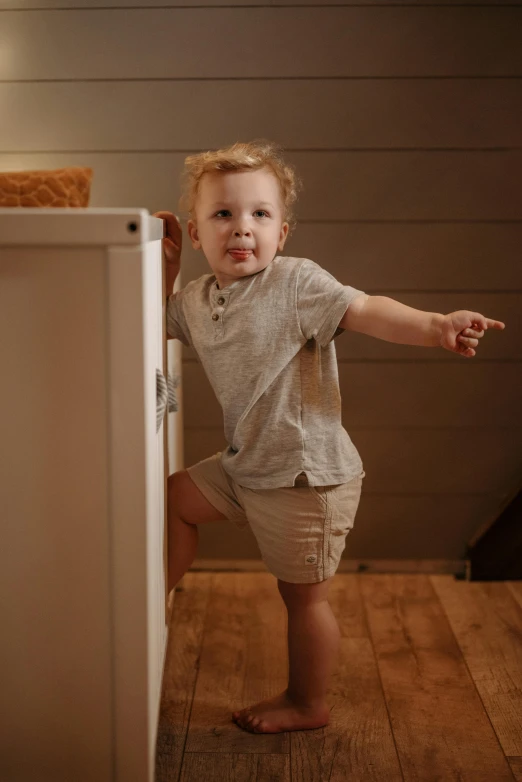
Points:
[(83, 606)]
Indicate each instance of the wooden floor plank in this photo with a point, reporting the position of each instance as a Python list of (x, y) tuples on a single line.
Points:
[(186, 630), (487, 622), (234, 767), (515, 761), (515, 587), (244, 659), (439, 723), (427, 684), (358, 743), (516, 767)]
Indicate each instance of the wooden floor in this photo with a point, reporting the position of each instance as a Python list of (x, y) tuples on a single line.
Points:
[(428, 686)]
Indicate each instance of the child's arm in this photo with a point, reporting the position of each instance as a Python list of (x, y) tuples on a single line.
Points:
[(388, 319), (171, 246), (385, 318)]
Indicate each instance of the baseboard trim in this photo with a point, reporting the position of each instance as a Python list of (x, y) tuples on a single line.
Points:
[(457, 567)]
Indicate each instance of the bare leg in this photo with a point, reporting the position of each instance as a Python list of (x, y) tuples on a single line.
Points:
[(183, 545), (186, 508), (313, 646)]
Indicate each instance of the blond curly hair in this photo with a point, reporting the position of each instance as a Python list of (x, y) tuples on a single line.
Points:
[(241, 156)]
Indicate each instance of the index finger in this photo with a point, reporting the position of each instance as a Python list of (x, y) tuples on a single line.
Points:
[(495, 324), (173, 223)]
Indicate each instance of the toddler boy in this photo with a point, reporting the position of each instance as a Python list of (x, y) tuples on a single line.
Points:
[(262, 325)]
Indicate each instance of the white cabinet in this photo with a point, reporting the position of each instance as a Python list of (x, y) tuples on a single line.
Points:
[(82, 494)]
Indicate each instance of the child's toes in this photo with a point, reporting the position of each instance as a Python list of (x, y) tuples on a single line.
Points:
[(242, 717)]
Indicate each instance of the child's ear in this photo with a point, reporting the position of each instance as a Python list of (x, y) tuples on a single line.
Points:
[(193, 233), (282, 236)]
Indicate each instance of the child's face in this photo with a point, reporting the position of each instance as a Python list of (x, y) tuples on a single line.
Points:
[(238, 209)]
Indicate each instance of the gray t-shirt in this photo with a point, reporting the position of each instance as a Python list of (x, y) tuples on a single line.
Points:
[(266, 345)]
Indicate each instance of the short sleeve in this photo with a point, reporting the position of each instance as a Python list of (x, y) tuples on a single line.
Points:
[(321, 302), (176, 322)]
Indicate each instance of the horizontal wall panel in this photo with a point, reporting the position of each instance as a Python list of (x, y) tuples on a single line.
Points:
[(389, 527), (410, 185), (42, 4), (324, 41), (466, 393), (495, 345), (338, 185), (430, 460), (423, 394), (412, 527), (315, 113), (388, 257)]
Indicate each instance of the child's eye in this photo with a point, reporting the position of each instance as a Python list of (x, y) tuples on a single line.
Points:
[(227, 210)]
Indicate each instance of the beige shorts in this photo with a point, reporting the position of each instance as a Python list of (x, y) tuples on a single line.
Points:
[(300, 530)]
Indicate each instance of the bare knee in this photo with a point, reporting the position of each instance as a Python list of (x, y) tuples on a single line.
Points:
[(175, 487), (186, 501), (303, 594), (175, 482)]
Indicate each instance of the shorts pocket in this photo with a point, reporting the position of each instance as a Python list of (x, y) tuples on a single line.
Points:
[(339, 492), (321, 494), (344, 501)]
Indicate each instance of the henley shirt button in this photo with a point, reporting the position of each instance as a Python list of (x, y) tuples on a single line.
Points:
[(215, 316), (221, 300)]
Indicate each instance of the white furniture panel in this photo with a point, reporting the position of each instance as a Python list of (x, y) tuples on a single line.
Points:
[(82, 494)]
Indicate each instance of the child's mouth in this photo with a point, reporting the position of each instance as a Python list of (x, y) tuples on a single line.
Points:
[(240, 255)]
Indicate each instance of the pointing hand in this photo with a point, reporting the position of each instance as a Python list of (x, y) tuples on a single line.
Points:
[(462, 330)]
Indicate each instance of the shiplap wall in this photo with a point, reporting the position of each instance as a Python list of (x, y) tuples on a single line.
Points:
[(404, 122)]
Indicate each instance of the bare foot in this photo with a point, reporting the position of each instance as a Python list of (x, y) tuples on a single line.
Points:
[(279, 714)]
